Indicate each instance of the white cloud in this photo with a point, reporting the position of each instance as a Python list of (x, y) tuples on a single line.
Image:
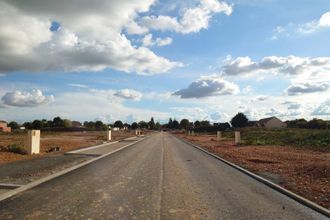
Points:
[(212, 85), (77, 85), (247, 89), (325, 20), (97, 43), (2, 75), (128, 94), (192, 20), (323, 109), (300, 67), (305, 28), (302, 88), (26, 99), (83, 105), (148, 41), (260, 98)]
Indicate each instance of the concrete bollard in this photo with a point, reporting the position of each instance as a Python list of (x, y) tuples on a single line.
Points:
[(109, 135), (136, 132), (219, 135), (33, 142), (237, 137), (188, 133), (192, 133)]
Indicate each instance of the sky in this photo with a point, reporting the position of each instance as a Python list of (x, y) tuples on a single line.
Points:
[(132, 60)]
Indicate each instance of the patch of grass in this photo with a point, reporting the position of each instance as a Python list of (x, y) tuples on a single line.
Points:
[(14, 148), (293, 137)]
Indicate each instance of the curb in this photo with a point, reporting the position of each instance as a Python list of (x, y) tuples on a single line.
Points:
[(90, 148), (274, 186), (61, 173)]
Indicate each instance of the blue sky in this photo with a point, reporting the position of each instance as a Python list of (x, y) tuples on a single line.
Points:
[(130, 60)]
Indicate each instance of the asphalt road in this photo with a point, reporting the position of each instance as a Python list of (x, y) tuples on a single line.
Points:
[(158, 178)]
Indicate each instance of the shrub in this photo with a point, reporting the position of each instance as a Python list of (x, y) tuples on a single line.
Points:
[(14, 148)]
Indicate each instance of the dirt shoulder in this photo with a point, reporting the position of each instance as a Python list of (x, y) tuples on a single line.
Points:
[(67, 141), (305, 172)]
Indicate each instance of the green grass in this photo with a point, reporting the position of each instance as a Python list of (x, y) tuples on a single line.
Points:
[(14, 148), (307, 138)]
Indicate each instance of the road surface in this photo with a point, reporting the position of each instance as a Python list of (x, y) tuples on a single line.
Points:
[(158, 178)]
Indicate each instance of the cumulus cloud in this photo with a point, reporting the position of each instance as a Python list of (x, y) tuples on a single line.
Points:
[(310, 27), (26, 99), (205, 86), (305, 28), (97, 43), (323, 109), (302, 88), (128, 94), (291, 65), (148, 41), (192, 20)]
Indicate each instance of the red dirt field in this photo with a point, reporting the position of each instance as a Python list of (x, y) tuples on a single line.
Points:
[(305, 172), (67, 141)]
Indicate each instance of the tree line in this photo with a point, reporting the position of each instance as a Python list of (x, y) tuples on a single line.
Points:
[(240, 120)]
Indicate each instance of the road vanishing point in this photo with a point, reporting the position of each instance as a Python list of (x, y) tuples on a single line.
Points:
[(160, 177)]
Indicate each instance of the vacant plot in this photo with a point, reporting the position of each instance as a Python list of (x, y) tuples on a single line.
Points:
[(300, 169), (65, 140)]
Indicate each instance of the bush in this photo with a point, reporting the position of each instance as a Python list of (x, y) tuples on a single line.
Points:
[(14, 148)]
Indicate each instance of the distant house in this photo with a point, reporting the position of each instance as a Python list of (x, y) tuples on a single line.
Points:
[(271, 122), (4, 127)]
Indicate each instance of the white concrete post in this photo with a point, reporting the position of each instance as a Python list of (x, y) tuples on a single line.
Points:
[(237, 137), (192, 133), (33, 142), (219, 135), (139, 132), (109, 135), (136, 132), (189, 133)]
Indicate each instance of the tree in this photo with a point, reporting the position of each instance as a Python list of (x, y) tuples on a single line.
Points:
[(239, 120), (184, 124), (67, 123), (37, 124), (27, 125), (99, 125), (135, 126), (58, 122), (170, 123), (205, 123), (143, 124), (151, 124), (118, 124), (197, 124), (175, 124), (14, 125), (50, 124), (157, 126)]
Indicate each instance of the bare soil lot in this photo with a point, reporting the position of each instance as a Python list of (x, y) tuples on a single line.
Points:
[(67, 141), (301, 170)]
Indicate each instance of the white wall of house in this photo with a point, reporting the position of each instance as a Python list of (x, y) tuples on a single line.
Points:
[(275, 123)]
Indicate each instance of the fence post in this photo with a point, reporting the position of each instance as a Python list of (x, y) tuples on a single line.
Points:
[(219, 135), (109, 135), (33, 142), (237, 137)]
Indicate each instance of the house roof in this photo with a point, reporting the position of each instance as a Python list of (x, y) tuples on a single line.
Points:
[(265, 120), (3, 121)]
